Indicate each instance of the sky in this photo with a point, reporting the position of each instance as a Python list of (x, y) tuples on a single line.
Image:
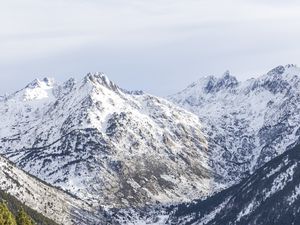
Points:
[(159, 46)]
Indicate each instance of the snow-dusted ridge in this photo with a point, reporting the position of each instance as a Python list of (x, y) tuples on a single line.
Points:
[(105, 145), (248, 123), (115, 148)]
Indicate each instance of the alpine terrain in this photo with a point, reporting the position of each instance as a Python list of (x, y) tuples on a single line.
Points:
[(221, 151), (269, 196), (253, 130), (44, 199), (247, 123), (107, 146)]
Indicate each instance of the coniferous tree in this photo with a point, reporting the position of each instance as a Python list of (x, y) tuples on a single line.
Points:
[(23, 218), (6, 217)]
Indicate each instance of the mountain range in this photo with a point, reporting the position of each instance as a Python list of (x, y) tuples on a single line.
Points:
[(247, 123), (221, 151), (106, 146)]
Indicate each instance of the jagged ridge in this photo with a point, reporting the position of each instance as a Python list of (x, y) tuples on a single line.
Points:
[(105, 145), (248, 123)]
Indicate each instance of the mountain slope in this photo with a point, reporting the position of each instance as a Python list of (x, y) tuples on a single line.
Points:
[(49, 201), (103, 144), (269, 196), (248, 123)]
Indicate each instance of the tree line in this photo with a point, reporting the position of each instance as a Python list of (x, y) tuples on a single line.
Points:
[(8, 218)]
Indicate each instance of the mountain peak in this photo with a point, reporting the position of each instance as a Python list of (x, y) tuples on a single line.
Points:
[(226, 74), (92, 136), (225, 81), (45, 83), (100, 78), (36, 89), (277, 70), (291, 66), (259, 110)]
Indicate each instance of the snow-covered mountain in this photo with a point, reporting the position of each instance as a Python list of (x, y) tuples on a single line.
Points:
[(111, 149), (105, 145), (248, 123), (49, 201), (269, 196)]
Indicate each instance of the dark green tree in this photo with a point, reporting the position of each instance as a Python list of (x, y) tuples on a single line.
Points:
[(23, 218), (6, 217)]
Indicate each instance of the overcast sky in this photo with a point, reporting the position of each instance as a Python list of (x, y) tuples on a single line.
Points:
[(159, 46)]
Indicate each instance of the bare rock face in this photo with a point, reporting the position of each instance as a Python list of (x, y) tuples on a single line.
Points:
[(247, 123), (105, 145)]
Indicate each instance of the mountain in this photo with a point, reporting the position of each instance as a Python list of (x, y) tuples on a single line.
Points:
[(247, 123), (114, 156), (107, 146), (269, 196), (17, 186)]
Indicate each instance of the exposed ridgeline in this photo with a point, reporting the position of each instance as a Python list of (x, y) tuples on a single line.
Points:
[(247, 123), (105, 145)]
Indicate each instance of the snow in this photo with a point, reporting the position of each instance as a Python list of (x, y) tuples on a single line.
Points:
[(250, 208), (291, 199), (110, 147), (281, 181), (91, 138), (212, 214), (247, 123), (47, 200)]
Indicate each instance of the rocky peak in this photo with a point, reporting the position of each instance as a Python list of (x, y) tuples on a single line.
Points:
[(227, 80), (276, 80), (48, 81), (244, 120), (35, 90), (105, 146), (224, 82), (226, 74), (44, 83), (291, 66), (276, 71), (101, 79)]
